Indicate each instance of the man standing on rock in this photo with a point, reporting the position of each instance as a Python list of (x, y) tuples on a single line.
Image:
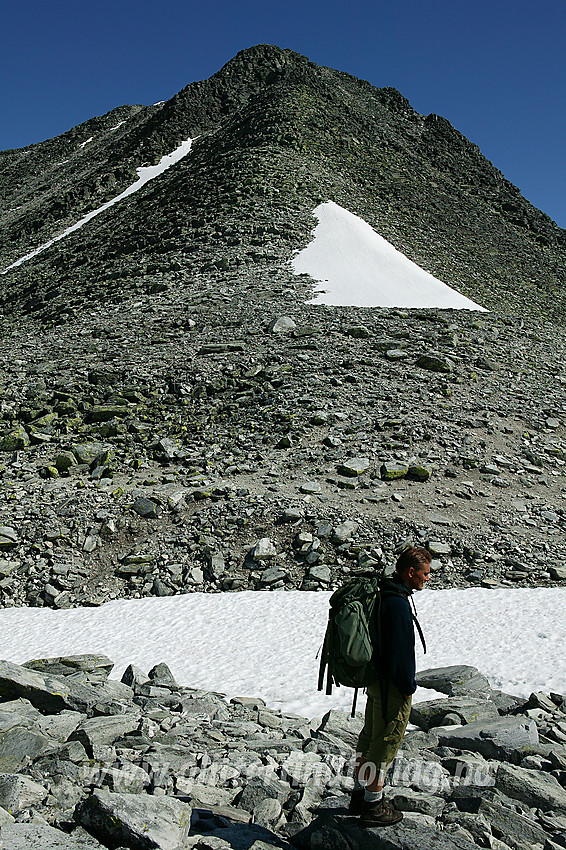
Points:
[(389, 700)]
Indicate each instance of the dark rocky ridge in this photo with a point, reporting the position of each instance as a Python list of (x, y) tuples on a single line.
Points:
[(154, 427)]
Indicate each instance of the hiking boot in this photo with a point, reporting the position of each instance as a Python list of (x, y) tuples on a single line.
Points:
[(356, 806), (381, 813)]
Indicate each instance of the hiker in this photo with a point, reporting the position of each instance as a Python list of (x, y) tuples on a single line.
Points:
[(389, 700)]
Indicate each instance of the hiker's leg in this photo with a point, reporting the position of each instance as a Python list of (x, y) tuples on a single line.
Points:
[(364, 741), (388, 733), (379, 781)]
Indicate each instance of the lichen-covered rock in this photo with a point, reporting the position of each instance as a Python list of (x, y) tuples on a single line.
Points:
[(14, 440), (97, 667), (136, 820), (393, 470), (418, 472), (509, 738), (352, 467)]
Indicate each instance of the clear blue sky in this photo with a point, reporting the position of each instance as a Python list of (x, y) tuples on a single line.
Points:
[(496, 70)]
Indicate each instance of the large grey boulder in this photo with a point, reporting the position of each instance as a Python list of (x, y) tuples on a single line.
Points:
[(509, 738), (452, 711), (533, 787), (455, 680), (260, 788), (5, 817), (60, 726), (421, 774), (470, 769), (434, 362), (8, 537), (409, 800), (509, 822), (237, 836), (39, 836), (103, 731), (97, 667), (137, 821), (344, 531), (26, 734), (392, 470), (339, 724), (47, 693), (263, 550), (134, 677), (283, 324), (18, 792), (20, 745), (354, 466), (201, 795)]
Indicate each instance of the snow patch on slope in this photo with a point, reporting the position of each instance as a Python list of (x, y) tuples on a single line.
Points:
[(144, 176), (262, 643), (359, 268)]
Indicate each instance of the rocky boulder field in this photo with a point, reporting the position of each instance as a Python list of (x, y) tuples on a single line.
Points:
[(213, 443), (91, 762)]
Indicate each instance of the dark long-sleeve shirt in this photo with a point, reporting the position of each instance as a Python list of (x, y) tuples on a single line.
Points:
[(398, 641)]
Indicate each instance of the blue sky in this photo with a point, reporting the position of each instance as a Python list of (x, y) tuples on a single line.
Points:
[(496, 70)]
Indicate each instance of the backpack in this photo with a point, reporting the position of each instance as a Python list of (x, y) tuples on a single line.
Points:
[(352, 644)]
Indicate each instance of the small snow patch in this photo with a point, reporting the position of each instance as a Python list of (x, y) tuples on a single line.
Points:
[(145, 174), (82, 144), (360, 268)]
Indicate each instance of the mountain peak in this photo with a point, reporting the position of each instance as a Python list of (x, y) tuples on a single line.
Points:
[(276, 135)]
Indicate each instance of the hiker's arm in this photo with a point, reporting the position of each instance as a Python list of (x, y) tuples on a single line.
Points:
[(399, 626)]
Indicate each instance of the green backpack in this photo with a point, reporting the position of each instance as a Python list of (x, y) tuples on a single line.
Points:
[(352, 644), (351, 640)]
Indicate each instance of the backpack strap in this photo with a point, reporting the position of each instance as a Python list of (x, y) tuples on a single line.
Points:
[(325, 666), (354, 702), (418, 625)]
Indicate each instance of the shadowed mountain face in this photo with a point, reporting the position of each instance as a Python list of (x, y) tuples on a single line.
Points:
[(275, 135)]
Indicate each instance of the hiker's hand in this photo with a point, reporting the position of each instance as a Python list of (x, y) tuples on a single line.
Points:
[(407, 697)]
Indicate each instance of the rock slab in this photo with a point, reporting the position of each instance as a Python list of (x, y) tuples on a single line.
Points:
[(141, 822)]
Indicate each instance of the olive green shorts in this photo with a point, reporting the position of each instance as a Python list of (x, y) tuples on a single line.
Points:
[(381, 737)]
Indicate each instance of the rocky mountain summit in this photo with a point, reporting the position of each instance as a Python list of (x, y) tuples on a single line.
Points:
[(274, 134), (176, 416), (91, 762)]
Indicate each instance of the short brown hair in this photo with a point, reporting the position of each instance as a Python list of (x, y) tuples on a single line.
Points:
[(414, 556)]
